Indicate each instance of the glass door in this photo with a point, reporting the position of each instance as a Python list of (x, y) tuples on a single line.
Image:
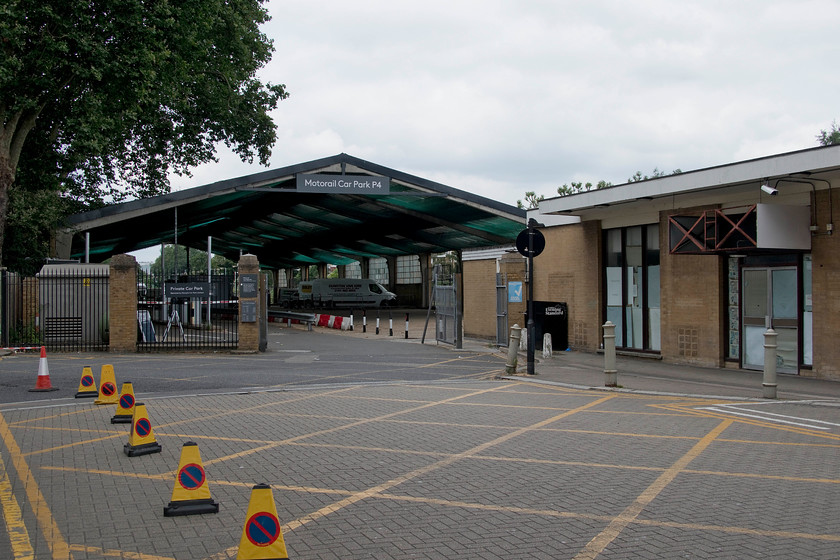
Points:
[(769, 296)]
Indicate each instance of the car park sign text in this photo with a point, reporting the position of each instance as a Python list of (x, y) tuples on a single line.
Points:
[(347, 184)]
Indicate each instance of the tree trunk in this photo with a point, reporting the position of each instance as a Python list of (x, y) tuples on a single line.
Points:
[(7, 178)]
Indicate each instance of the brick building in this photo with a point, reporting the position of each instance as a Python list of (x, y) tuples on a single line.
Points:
[(692, 268)]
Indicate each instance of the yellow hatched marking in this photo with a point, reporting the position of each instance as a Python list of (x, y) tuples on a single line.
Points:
[(18, 535), (55, 540), (629, 515)]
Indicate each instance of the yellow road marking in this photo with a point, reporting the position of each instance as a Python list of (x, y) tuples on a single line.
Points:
[(55, 540), (609, 534), (111, 553), (18, 535), (379, 489)]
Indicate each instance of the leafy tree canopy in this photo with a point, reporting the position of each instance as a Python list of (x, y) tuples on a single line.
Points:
[(100, 100), (829, 137)]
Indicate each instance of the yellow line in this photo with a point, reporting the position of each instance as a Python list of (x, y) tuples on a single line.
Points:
[(58, 546), (111, 553), (18, 535), (629, 515), (378, 490)]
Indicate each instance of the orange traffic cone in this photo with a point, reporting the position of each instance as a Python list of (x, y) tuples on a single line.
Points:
[(262, 537), (43, 382)]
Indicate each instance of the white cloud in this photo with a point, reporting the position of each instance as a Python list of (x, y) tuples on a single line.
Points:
[(497, 98)]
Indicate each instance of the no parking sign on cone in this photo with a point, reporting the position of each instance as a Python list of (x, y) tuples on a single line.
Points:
[(262, 538), (87, 384), (142, 438), (191, 495)]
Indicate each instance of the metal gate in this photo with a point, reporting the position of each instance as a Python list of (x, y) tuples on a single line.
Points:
[(447, 307), (192, 311), (501, 309), (64, 307)]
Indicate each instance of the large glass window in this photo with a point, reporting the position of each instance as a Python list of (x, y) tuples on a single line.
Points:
[(631, 262)]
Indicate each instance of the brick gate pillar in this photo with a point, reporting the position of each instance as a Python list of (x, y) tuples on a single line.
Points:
[(249, 308), (122, 304)]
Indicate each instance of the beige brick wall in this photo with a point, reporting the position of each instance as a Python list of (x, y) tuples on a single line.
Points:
[(825, 251), (692, 301), (569, 270), (122, 304), (480, 299)]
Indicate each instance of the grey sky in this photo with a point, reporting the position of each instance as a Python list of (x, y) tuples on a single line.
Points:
[(501, 97)]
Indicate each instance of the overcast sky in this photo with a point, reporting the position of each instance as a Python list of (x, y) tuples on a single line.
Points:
[(499, 98)]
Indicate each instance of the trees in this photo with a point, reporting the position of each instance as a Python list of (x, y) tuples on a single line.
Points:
[(101, 99), (829, 137)]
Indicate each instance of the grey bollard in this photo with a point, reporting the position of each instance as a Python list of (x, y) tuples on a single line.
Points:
[(513, 348), (769, 381), (523, 340), (610, 373), (547, 349)]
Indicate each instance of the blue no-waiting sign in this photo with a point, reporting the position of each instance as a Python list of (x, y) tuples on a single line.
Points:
[(262, 529)]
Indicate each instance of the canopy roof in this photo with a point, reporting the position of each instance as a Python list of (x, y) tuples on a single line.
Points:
[(266, 215)]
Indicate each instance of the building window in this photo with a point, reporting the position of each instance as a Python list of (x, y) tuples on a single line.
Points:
[(408, 269), (378, 270), (353, 270), (631, 269)]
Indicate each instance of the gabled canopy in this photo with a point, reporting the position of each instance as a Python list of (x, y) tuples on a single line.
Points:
[(264, 214)]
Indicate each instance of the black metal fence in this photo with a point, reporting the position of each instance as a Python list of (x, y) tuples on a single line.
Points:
[(64, 307), (191, 311)]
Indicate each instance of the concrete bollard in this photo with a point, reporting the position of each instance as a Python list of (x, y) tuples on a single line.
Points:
[(547, 349), (523, 339), (610, 373), (513, 349), (769, 381)]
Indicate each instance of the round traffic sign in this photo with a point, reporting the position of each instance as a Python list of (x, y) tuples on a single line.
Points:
[(108, 389), (191, 476), (87, 380), (262, 529), (143, 427), (537, 242), (127, 401)]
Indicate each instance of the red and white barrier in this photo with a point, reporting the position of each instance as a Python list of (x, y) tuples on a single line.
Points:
[(332, 322)]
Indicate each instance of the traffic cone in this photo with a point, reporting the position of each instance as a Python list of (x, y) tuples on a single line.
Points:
[(87, 384), (43, 381), (125, 405), (107, 386), (141, 441), (190, 495), (262, 538)]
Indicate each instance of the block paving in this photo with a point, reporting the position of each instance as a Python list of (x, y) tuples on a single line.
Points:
[(473, 469)]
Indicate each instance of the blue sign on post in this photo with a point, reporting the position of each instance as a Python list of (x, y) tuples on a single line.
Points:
[(515, 292)]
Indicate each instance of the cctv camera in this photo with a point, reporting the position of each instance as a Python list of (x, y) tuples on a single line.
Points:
[(769, 190)]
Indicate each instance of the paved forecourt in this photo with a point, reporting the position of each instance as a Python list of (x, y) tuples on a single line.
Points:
[(468, 469)]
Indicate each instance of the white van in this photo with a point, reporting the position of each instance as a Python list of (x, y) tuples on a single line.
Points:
[(344, 292)]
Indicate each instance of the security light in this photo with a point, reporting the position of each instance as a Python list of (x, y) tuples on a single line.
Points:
[(768, 189)]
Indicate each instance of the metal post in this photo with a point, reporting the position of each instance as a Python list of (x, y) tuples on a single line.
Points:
[(390, 324), (769, 382), (209, 277), (530, 324), (406, 326), (364, 321), (610, 373), (377, 321), (513, 349)]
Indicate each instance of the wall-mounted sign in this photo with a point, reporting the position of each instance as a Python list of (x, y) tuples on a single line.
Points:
[(186, 290), (247, 311), (337, 184), (248, 284), (514, 292)]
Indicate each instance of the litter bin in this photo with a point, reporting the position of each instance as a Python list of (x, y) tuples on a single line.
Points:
[(551, 317)]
